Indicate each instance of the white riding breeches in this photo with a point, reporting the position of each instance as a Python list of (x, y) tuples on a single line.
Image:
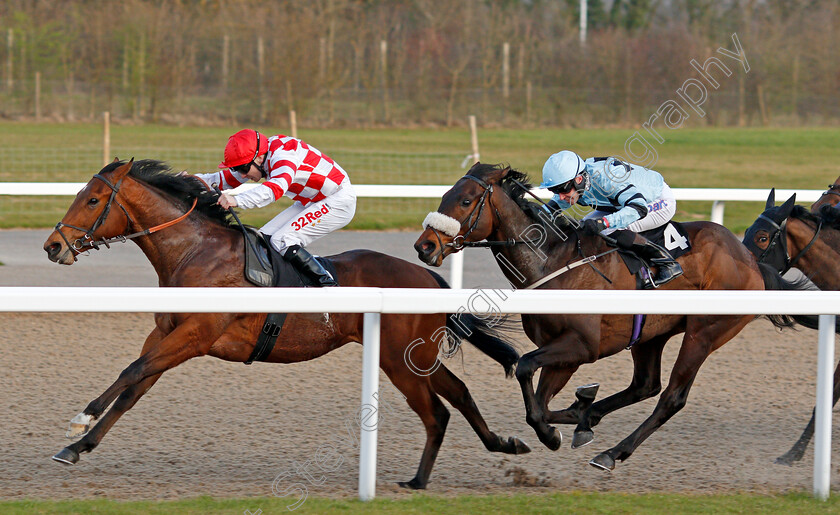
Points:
[(660, 212), (301, 225)]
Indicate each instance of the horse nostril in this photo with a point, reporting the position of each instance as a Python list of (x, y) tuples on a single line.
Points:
[(424, 248), (52, 249)]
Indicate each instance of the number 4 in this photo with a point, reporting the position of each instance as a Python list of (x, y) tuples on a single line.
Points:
[(674, 239)]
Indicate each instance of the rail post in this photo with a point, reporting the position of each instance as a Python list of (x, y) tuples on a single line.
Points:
[(369, 412), (822, 427)]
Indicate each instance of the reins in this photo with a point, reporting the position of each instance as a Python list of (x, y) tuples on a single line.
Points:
[(458, 242), (86, 243)]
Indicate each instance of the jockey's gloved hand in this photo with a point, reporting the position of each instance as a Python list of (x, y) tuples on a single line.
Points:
[(593, 226)]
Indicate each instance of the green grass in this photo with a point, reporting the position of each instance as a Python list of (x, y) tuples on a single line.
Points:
[(807, 158), (596, 503)]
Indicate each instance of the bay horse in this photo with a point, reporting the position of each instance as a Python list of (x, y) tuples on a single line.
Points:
[(831, 196), (488, 204), (813, 239), (201, 247)]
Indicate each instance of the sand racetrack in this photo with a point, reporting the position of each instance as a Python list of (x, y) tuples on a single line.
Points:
[(224, 429)]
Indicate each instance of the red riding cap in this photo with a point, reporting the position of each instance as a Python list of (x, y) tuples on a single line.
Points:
[(242, 148)]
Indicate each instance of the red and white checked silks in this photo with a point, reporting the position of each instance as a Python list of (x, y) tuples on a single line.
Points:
[(324, 198), (294, 168)]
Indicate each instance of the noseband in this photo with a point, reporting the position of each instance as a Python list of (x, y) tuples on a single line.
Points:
[(87, 242), (459, 242), (780, 236)]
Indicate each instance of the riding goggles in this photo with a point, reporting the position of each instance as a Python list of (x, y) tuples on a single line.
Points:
[(563, 188)]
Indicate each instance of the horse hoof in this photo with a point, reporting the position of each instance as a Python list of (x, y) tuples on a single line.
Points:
[(603, 461), (554, 439), (519, 447), (414, 484), (582, 438), (79, 426), (67, 456), (587, 391), (785, 460)]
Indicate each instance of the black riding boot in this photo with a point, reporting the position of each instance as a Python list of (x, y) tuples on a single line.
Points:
[(656, 256), (301, 259)]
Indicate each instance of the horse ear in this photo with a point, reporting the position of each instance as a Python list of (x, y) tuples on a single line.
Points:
[(771, 199), (787, 207), (504, 172), (122, 171)]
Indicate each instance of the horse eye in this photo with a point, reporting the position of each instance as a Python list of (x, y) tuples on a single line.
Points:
[(466, 202), (762, 239), (93, 201)]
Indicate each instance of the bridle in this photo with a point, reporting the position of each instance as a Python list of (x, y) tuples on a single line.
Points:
[(832, 190), (87, 242), (459, 242), (780, 236)]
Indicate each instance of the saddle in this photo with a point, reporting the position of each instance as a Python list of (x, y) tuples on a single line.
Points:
[(264, 266)]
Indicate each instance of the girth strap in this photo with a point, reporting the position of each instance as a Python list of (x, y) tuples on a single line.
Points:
[(268, 337)]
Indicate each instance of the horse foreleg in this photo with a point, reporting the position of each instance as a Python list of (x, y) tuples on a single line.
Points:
[(552, 380), (563, 355), (798, 450), (126, 400), (160, 353), (456, 393), (646, 383)]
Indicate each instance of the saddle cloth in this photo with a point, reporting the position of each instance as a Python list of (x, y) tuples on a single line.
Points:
[(672, 237)]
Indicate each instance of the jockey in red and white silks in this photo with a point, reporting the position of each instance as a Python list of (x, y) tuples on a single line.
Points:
[(324, 200)]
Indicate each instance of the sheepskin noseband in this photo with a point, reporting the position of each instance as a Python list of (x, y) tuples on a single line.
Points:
[(440, 222)]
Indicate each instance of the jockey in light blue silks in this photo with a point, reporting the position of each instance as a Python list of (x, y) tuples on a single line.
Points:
[(623, 196)]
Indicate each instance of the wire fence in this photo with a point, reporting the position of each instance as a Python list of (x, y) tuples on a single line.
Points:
[(79, 164)]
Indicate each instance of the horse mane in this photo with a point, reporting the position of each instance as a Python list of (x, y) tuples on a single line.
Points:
[(509, 185), (801, 213), (829, 214), (181, 188)]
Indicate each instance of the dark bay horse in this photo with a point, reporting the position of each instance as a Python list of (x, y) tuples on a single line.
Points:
[(488, 204), (200, 247), (789, 235)]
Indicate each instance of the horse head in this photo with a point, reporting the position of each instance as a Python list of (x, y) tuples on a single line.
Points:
[(766, 237), (91, 216), (830, 197), (466, 214)]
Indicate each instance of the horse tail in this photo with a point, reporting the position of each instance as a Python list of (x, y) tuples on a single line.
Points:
[(774, 281), (492, 340)]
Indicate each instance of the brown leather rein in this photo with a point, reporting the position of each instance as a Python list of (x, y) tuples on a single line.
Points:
[(84, 244)]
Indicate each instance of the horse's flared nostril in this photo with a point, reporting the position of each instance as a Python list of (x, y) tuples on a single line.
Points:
[(52, 250), (424, 248)]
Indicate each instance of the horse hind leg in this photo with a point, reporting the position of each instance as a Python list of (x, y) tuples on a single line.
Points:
[(456, 393), (422, 399), (646, 383), (798, 450), (703, 335)]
